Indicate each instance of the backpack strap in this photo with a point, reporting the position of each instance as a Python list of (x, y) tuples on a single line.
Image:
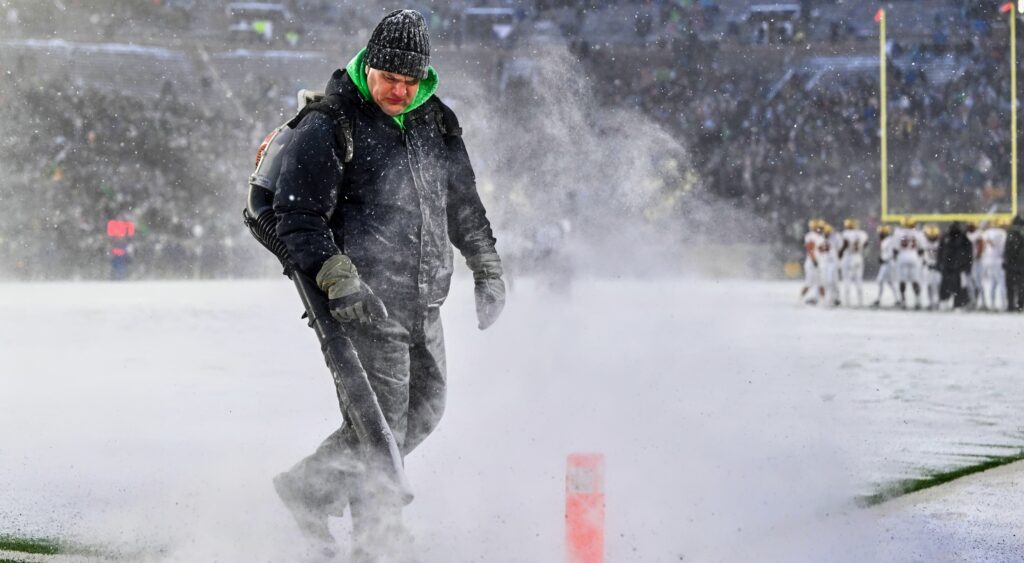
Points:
[(334, 107), (446, 121)]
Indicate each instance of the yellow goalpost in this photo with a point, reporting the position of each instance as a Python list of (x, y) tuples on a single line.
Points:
[(887, 216)]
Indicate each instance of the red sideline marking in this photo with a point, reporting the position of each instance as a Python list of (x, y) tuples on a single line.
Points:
[(584, 508)]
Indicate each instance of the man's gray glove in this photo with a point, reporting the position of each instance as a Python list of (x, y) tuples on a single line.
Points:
[(349, 298), (488, 286)]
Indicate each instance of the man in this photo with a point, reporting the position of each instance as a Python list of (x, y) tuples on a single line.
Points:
[(851, 255), (828, 254), (974, 288), (886, 256), (374, 221), (909, 245), (812, 265), (931, 277), (956, 255), (1013, 264), (993, 278)]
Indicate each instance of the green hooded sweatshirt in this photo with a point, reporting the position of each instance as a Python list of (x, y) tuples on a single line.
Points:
[(357, 72)]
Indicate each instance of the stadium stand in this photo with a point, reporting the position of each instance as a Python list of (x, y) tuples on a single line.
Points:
[(154, 121)]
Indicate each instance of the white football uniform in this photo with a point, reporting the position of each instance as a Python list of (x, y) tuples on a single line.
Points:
[(854, 243), (812, 263), (828, 256), (992, 274), (974, 285), (932, 276), (908, 259)]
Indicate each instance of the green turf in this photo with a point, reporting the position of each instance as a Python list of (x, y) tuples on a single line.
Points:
[(44, 546), (29, 545), (908, 486), (14, 545)]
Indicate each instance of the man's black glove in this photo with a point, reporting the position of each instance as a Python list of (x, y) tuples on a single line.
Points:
[(488, 287), (350, 298)]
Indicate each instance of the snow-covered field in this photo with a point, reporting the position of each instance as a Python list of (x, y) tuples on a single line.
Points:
[(737, 424)]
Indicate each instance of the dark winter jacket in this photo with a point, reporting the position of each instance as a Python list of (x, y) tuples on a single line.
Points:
[(1013, 253), (955, 251), (395, 209)]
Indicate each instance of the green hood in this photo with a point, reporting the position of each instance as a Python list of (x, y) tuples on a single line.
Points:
[(357, 72)]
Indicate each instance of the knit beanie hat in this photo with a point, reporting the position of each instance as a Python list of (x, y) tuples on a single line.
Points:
[(399, 44)]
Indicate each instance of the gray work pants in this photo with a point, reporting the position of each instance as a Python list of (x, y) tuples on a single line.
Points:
[(404, 360)]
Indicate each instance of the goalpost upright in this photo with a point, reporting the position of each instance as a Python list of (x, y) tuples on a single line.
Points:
[(1013, 107), (883, 107), (880, 18)]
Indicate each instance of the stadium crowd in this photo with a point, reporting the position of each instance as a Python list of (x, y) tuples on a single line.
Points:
[(785, 146), (811, 143), (84, 157)]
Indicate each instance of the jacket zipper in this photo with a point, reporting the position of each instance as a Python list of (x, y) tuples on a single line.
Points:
[(410, 155)]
